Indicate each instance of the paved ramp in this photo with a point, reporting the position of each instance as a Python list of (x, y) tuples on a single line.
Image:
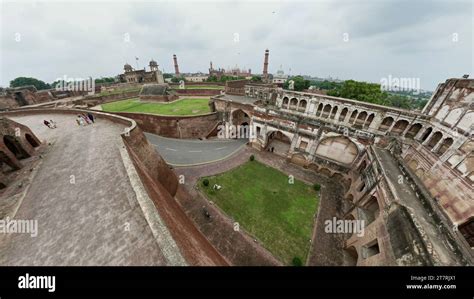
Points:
[(184, 152), (86, 208)]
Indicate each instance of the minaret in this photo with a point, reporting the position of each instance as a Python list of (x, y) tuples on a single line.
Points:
[(176, 68), (265, 66)]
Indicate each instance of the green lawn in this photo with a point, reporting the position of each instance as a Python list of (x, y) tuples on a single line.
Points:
[(261, 200), (187, 106), (200, 87)]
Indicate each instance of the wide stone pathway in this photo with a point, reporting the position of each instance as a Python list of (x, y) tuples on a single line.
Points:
[(82, 199)]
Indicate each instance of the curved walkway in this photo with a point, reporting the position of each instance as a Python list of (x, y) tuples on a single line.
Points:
[(184, 152), (85, 206)]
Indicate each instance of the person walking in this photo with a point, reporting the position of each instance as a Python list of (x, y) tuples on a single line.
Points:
[(46, 123)]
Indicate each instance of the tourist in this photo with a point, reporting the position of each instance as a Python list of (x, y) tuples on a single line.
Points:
[(85, 119), (53, 124), (46, 123), (80, 120), (91, 117)]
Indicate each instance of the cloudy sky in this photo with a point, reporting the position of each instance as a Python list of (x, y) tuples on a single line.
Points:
[(365, 40)]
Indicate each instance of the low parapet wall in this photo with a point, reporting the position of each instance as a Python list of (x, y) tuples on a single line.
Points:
[(197, 126)]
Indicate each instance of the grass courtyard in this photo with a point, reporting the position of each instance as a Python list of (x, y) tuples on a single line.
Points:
[(261, 200), (187, 106)]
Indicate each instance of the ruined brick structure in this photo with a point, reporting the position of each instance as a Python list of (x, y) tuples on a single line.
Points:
[(17, 142), (407, 174), (131, 75)]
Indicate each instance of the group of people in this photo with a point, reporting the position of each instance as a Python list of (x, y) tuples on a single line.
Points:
[(85, 119), (50, 124)]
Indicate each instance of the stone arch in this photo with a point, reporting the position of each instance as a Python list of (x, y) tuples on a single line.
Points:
[(413, 164), (447, 142), (466, 121), (337, 176), (326, 111), (286, 102), (278, 143), (434, 140), (333, 112), (426, 134), (31, 140), (313, 167), (467, 230), (240, 117), (293, 103), (400, 126), (351, 256), (15, 147), (353, 116), (338, 148), (325, 171), (361, 119), (302, 105), (453, 116), (386, 123), (414, 129), (343, 114), (320, 110), (299, 159), (369, 120)]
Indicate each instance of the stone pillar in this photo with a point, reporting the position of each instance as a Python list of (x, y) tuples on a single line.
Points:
[(293, 143), (437, 145)]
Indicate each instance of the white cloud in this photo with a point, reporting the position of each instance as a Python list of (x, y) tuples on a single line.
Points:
[(79, 39)]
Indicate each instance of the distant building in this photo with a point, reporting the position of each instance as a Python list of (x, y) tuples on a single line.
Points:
[(279, 78), (234, 72), (131, 75), (197, 77)]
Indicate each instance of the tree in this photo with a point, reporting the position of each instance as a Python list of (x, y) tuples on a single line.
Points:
[(205, 182), (299, 83), (177, 79), (23, 81), (297, 261), (256, 79), (105, 80)]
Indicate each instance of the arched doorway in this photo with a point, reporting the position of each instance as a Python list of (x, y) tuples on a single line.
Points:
[(278, 143), (400, 126), (343, 114), (15, 147), (413, 131), (386, 123), (434, 140), (445, 145)]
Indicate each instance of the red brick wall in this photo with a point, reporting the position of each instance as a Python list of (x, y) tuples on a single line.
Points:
[(174, 126)]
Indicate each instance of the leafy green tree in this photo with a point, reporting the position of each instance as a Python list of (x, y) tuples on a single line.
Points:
[(256, 79), (105, 80), (177, 79), (23, 81)]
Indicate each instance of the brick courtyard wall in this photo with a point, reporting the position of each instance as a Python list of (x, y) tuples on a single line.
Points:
[(174, 126)]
